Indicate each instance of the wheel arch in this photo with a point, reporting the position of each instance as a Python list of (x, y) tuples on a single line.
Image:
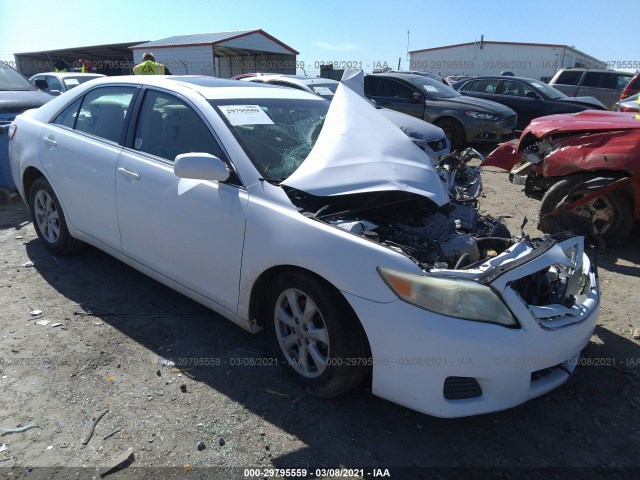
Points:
[(260, 290), (28, 177)]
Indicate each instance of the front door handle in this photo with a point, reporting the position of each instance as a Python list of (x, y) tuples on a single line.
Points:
[(128, 173), (50, 140)]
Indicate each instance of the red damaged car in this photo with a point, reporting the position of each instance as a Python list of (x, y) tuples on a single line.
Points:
[(585, 167)]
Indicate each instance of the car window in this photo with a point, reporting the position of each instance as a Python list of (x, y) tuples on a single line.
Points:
[(481, 86), (371, 85), (600, 80), (103, 112), (622, 81), (394, 89), (167, 127), (276, 134), (68, 116), (569, 77), (53, 84), (517, 89), (12, 80)]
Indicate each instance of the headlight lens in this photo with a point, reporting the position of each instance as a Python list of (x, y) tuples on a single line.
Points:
[(447, 296), (482, 115)]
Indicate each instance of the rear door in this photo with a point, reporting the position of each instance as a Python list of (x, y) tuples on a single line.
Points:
[(190, 231), (79, 150), (605, 86), (394, 94)]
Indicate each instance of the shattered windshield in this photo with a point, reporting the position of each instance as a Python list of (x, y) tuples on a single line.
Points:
[(277, 134)]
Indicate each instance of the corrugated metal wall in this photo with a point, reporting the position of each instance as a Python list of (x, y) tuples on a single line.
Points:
[(199, 60), (196, 60), (523, 60)]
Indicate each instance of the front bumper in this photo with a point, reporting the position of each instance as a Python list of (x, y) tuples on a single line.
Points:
[(449, 367)]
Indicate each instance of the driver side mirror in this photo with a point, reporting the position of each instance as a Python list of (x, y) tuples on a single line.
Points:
[(533, 95), (417, 97), (55, 93), (200, 166)]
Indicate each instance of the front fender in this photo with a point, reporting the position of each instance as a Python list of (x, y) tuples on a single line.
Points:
[(506, 156)]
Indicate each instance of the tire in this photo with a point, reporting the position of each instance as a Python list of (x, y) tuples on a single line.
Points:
[(454, 131), (48, 218), (610, 215), (315, 335)]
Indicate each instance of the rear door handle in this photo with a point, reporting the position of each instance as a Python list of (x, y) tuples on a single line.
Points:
[(50, 140), (128, 173)]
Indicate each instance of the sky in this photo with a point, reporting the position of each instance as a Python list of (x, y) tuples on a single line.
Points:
[(370, 32)]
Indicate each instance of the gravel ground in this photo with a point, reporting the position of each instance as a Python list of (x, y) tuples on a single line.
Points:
[(110, 328)]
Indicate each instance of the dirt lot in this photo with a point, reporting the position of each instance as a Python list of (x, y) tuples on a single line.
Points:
[(117, 325)]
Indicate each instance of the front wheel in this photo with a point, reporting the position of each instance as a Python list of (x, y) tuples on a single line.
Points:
[(454, 131), (316, 335), (48, 218), (609, 215)]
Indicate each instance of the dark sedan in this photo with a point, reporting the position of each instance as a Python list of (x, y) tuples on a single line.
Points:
[(463, 119), (528, 97)]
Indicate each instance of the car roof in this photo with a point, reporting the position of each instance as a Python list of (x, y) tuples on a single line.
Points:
[(70, 74), (209, 87), (500, 77), (405, 76), (300, 79)]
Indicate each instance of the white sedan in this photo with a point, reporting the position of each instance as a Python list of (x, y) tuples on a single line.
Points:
[(322, 224)]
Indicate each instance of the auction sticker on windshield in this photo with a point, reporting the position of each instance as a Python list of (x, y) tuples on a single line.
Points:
[(323, 91), (245, 115)]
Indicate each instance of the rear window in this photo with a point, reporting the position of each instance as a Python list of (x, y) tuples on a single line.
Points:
[(569, 77)]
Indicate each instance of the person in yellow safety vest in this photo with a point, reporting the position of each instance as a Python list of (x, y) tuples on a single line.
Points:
[(149, 66)]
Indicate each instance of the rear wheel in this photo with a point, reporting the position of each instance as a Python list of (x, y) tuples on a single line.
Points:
[(454, 131), (316, 335), (48, 218), (609, 216)]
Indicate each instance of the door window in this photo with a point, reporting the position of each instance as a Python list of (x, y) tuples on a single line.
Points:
[(481, 86), (103, 112), (167, 127), (516, 89), (569, 77), (599, 80), (393, 89), (67, 117)]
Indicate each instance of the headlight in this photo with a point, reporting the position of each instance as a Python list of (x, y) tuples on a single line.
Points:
[(483, 115), (447, 296)]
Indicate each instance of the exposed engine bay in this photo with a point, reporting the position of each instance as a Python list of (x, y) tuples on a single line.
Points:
[(453, 236)]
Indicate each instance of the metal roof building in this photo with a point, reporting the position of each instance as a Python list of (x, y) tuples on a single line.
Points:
[(221, 54), (532, 60), (112, 59)]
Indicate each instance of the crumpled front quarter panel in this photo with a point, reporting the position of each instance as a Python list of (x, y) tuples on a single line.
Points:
[(615, 150)]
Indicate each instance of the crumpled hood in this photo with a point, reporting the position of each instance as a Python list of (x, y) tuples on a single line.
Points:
[(588, 120), (359, 150), (17, 101)]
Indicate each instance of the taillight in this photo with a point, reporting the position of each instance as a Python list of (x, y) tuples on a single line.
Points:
[(13, 128)]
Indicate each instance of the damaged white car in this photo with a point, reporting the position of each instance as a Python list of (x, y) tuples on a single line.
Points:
[(324, 226)]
